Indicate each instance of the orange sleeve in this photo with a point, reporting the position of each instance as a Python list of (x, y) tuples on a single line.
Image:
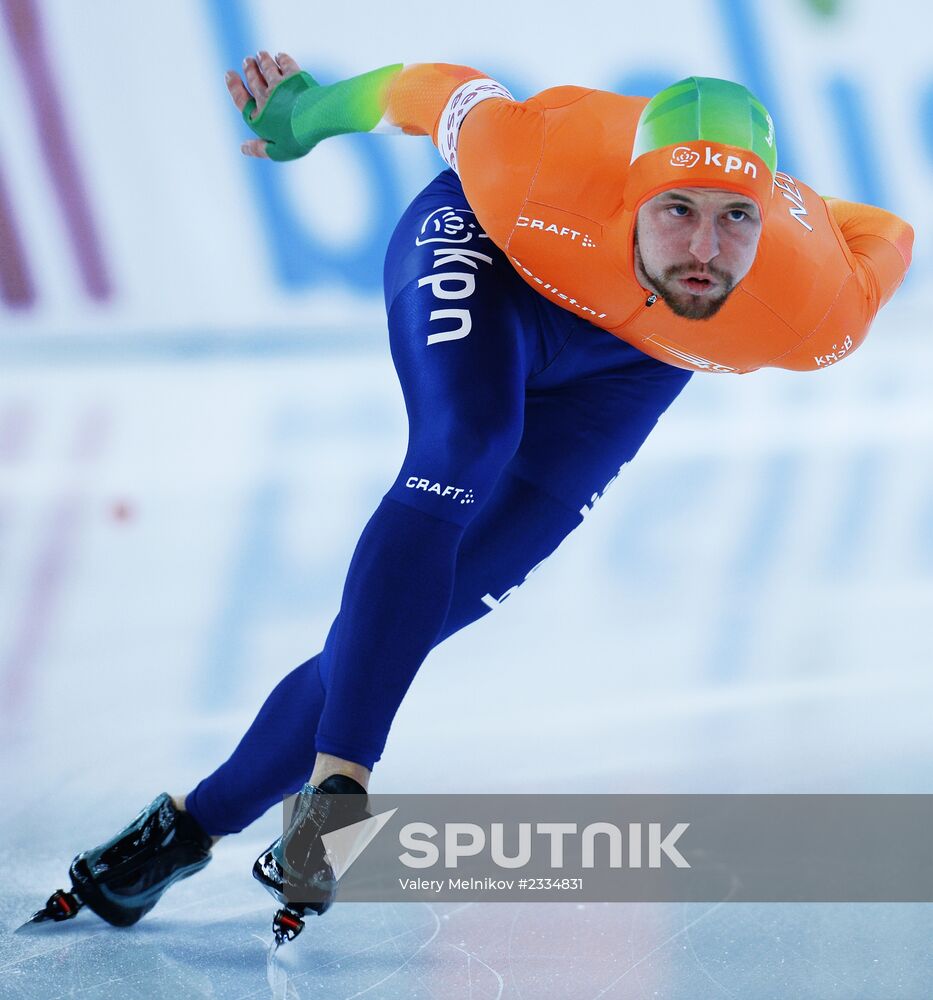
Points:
[(880, 244), (877, 247), (419, 94)]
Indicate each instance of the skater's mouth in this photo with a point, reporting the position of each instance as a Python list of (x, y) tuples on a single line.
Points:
[(698, 284)]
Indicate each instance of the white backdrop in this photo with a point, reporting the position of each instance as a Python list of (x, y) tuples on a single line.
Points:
[(192, 237)]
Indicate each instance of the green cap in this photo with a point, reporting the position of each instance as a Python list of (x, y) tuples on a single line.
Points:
[(704, 108)]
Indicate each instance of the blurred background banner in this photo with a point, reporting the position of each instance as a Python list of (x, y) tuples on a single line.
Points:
[(198, 413), (126, 209)]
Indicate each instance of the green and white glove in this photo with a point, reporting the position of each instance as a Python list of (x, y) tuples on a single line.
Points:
[(299, 112)]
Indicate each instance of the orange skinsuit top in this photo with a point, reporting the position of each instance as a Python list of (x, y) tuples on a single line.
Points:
[(552, 181)]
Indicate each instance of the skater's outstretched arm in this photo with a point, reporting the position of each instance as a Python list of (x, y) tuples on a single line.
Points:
[(877, 246), (493, 142), (291, 112)]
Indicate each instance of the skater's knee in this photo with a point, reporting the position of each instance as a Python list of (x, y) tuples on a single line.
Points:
[(475, 447)]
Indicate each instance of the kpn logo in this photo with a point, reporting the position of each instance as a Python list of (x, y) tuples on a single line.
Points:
[(687, 156), (684, 156)]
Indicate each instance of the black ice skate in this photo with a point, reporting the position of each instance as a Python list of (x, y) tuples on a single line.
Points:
[(123, 879), (296, 868)]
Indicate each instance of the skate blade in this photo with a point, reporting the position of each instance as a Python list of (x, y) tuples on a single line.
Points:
[(32, 924), (36, 924), (60, 907)]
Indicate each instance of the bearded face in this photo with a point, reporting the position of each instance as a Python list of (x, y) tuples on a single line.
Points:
[(694, 245)]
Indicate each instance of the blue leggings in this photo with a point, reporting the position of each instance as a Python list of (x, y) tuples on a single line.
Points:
[(520, 413)]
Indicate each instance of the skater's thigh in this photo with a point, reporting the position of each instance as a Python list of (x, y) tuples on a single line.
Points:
[(578, 436), (458, 330)]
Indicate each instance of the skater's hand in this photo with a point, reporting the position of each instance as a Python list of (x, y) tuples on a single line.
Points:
[(263, 74)]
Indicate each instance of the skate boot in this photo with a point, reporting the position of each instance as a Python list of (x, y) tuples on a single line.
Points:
[(296, 868), (124, 878)]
